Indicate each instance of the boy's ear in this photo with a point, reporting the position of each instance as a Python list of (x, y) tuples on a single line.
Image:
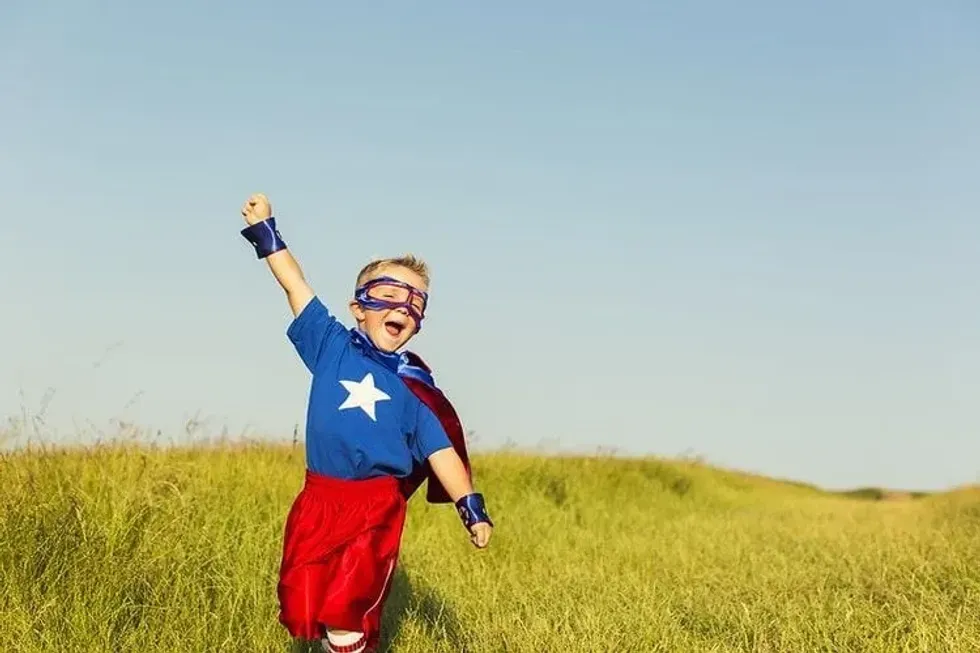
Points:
[(356, 310)]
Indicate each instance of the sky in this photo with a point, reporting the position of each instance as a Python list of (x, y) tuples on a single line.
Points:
[(741, 231)]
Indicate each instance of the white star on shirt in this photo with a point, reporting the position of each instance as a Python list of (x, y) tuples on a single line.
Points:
[(362, 394)]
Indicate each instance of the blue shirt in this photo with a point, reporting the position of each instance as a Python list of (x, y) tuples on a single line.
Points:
[(362, 420)]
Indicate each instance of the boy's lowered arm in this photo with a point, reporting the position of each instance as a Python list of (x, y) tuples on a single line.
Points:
[(262, 233), (449, 469)]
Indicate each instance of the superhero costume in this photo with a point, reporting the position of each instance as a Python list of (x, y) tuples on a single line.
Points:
[(373, 419)]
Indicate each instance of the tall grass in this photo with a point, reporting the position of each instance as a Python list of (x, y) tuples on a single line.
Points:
[(126, 548)]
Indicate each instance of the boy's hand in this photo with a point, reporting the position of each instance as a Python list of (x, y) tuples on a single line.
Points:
[(481, 535), (256, 209), (451, 472)]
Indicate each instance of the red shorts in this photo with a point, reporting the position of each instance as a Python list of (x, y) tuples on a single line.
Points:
[(339, 554)]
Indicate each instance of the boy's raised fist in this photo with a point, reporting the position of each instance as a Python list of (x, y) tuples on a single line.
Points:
[(256, 209)]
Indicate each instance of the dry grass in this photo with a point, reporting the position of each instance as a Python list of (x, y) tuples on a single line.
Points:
[(122, 548)]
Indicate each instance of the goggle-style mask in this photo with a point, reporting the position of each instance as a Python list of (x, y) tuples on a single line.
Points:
[(385, 292)]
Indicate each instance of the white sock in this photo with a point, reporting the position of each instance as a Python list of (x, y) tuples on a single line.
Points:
[(352, 642)]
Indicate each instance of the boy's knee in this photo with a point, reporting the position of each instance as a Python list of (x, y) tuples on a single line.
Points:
[(344, 641)]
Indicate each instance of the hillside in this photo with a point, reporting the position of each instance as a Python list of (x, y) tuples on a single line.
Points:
[(120, 548)]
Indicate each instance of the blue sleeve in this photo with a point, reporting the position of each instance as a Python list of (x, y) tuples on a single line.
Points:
[(313, 332), (429, 436)]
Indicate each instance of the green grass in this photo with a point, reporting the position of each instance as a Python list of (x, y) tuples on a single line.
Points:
[(119, 548)]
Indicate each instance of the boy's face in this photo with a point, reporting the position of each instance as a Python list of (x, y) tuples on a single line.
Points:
[(390, 328)]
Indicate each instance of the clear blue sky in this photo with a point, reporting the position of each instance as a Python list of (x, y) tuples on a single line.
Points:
[(742, 230)]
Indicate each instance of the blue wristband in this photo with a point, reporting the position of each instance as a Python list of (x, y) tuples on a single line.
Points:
[(472, 510), (264, 237)]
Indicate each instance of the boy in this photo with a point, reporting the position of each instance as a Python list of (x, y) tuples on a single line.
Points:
[(376, 427)]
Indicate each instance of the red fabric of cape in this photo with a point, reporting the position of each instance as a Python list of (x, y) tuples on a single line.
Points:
[(443, 409)]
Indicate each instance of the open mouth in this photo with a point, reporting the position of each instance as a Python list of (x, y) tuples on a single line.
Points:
[(394, 328)]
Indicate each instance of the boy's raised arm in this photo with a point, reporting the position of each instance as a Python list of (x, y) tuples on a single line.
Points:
[(264, 236)]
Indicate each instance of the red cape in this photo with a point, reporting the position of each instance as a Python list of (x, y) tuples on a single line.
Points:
[(433, 397)]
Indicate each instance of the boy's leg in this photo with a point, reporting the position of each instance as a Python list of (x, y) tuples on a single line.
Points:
[(344, 641), (336, 568)]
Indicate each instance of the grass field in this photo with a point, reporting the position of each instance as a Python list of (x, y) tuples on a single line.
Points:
[(119, 548)]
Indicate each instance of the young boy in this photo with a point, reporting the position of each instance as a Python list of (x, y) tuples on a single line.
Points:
[(376, 428)]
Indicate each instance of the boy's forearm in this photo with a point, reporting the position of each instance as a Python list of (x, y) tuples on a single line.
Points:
[(449, 469), (262, 233), (290, 277)]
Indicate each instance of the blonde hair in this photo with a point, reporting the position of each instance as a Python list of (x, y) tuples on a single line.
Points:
[(408, 261)]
